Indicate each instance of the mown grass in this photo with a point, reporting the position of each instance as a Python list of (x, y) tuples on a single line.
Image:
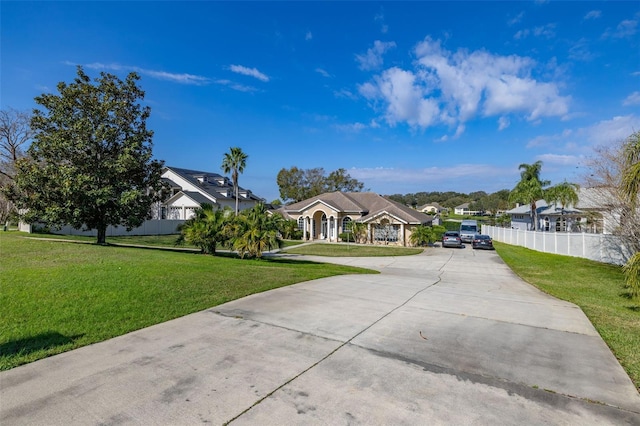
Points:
[(168, 241), (352, 250), (57, 296), (597, 288)]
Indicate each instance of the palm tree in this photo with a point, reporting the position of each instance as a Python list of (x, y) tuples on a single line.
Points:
[(565, 193), (420, 236), (530, 189), (358, 231), (234, 162), (207, 229), (255, 231)]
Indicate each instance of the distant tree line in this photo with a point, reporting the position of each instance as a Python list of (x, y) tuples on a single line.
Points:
[(478, 200)]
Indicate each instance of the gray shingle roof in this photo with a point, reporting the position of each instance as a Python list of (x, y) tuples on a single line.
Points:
[(213, 183), (543, 208)]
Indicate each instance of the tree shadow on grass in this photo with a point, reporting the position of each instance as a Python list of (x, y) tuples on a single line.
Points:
[(36, 343), (626, 294)]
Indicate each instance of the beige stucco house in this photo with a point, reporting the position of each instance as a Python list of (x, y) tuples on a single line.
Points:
[(432, 208), (328, 215)]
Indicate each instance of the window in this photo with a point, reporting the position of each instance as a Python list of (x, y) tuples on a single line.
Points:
[(386, 233), (346, 224), (301, 223)]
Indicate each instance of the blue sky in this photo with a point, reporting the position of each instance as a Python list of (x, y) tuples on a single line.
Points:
[(406, 96)]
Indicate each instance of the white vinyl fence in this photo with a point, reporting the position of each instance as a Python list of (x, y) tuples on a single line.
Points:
[(600, 247), (149, 227)]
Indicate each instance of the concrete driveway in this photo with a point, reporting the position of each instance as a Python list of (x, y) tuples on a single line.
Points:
[(450, 336)]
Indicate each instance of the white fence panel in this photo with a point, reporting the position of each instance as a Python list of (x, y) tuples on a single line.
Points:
[(599, 247), (148, 227)]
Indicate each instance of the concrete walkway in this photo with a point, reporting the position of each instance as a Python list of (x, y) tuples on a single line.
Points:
[(446, 337)]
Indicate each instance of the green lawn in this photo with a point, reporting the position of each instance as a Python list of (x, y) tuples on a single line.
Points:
[(596, 287), (168, 241), (346, 250), (58, 296)]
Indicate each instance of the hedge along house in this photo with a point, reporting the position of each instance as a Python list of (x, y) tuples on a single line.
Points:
[(192, 188), (328, 215)]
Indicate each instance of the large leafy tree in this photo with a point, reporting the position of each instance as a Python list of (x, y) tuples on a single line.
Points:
[(529, 189), (298, 184), (90, 164), (234, 162), (340, 180)]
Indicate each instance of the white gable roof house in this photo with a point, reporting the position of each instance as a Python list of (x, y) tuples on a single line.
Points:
[(582, 231), (551, 217), (192, 188)]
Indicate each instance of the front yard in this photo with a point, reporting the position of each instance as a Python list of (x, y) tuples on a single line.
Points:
[(57, 296)]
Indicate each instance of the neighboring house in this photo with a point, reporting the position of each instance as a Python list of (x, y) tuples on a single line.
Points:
[(551, 218), (328, 215), (463, 209), (432, 208), (192, 188), (599, 205)]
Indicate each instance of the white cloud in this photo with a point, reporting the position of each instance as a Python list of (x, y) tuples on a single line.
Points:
[(404, 98), (344, 93), (580, 51), (235, 86), (557, 159), (372, 59), (602, 133), (350, 128), (463, 175), (593, 14), (323, 72), (384, 28), (181, 78), (452, 87), (503, 123), (632, 99), (625, 28), (516, 19), (607, 131), (521, 34), (251, 72), (546, 31)]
